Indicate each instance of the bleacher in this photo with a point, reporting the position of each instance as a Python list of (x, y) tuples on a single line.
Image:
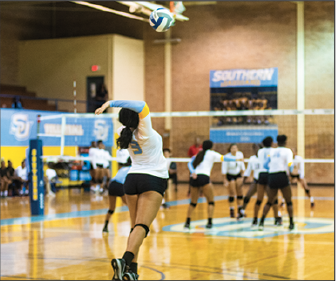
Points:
[(28, 99)]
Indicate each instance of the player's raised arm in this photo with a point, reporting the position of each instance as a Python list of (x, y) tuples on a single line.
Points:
[(140, 107)]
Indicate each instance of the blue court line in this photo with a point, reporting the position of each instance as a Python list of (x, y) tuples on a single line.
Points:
[(90, 213)]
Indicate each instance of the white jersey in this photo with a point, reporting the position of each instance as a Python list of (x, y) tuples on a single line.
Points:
[(101, 157), (21, 173), (145, 150), (281, 159), (92, 151), (205, 167), (263, 155), (122, 155), (253, 165), (50, 173), (233, 168), (298, 166)]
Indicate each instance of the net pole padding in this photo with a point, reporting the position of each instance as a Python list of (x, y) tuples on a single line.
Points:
[(63, 134), (114, 154)]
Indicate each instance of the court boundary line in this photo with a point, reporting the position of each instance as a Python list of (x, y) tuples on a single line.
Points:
[(97, 212)]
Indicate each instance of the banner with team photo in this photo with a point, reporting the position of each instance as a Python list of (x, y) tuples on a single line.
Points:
[(18, 126), (243, 89)]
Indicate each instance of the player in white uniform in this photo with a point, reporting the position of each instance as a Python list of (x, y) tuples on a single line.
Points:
[(92, 151), (263, 156), (146, 180), (101, 166), (200, 168), (116, 186), (253, 166), (298, 173), (232, 172), (279, 163)]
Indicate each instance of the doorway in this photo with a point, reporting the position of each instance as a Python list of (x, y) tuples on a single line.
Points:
[(93, 84)]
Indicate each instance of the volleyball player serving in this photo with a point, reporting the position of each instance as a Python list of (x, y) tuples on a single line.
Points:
[(146, 180)]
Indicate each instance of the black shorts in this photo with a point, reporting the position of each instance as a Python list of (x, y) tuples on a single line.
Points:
[(263, 178), (295, 176), (91, 167), (201, 180), (278, 180), (116, 189), (233, 177), (102, 166), (140, 183)]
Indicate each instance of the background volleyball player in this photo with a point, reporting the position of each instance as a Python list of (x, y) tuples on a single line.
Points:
[(279, 163), (263, 156), (116, 189), (101, 167), (146, 180), (252, 167), (232, 172), (298, 174), (92, 150), (200, 168)]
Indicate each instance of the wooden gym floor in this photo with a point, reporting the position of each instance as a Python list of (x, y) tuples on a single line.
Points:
[(67, 243)]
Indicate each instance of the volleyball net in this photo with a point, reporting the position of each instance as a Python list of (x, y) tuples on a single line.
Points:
[(310, 132)]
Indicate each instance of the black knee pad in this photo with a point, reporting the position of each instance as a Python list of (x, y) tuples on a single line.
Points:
[(307, 191), (193, 204), (145, 227), (258, 202), (276, 202), (131, 230), (110, 212), (231, 199), (239, 197), (289, 204), (212, 203), (269, 204), (246, 200)]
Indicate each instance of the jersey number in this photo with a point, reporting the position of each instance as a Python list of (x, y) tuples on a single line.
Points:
[(136, 148)]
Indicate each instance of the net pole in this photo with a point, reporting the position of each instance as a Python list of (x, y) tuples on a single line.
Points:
[(300, 99), (75, 111), (63, 134), (168, 79), (38, 126)]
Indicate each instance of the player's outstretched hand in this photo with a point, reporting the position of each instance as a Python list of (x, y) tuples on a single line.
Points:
[(101, 109)]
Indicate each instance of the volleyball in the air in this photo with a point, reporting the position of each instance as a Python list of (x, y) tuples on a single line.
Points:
[(161, 19)]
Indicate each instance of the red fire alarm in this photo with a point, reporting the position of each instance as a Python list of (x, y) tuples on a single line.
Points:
[(95, 67)]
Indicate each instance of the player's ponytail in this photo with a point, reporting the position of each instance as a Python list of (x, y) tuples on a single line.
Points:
[(200, 155), (130, 119)]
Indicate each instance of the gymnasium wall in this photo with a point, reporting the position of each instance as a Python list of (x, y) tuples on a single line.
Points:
[(19, 24), (49, 67), (232, 35), (223, 36)]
